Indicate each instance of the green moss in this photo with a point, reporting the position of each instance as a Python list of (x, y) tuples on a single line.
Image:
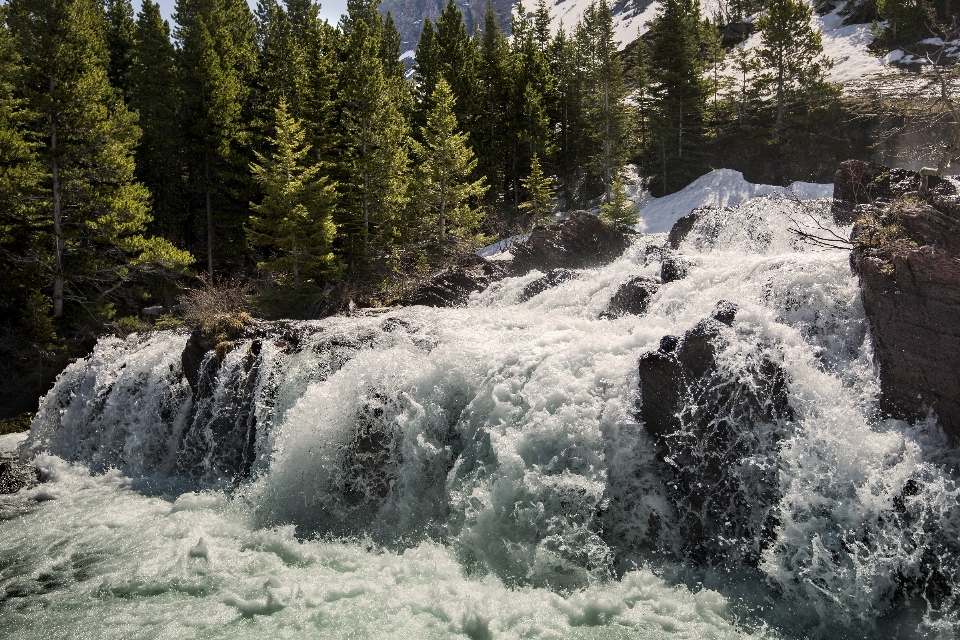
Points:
[(16, 425)]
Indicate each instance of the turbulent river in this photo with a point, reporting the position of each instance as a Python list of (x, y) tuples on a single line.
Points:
[(485, 471)]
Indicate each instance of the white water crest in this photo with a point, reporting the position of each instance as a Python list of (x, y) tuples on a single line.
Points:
[(484, 472)]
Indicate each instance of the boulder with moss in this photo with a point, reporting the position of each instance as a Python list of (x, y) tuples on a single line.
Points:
[(906, 252)]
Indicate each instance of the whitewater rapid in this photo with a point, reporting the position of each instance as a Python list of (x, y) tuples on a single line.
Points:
[(482, 471)]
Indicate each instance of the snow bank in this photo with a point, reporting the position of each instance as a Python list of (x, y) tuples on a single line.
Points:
[(719, 188)]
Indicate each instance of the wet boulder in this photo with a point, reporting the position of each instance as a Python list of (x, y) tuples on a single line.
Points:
[(907, 256), (682, 227), (582, 241), (716, 427), (673, 268), (15, 476), (631, 298), (551, 279)]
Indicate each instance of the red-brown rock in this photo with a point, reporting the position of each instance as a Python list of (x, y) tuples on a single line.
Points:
[(907, 255)]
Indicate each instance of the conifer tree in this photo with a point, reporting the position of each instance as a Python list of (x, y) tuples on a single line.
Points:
[(458, 59), (619, 211), (23, 230), (155, 95), (604, 95), (540, 190), (120, 42), (445, 163), (217, 60), (566, 110), (527, 126), (791, 53), (677, 69), (490, 135), (96, 211), (427, 70), (294, 221), (312, 102), (374, 162)]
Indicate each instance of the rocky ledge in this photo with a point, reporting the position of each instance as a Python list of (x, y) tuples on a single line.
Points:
[(906, 252)]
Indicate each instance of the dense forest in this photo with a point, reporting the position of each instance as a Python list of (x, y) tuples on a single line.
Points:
[(306, 161)]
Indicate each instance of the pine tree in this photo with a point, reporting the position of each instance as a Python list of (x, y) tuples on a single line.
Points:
[(540, 189), (96, 211), (457, 57), (445, 163), (155, 95), (374, 162), (489, 132), (312, 101), (604, 94), (217, 61), (295, 218), (677, 70), (24, 231), (791, 52), (566, 110), (619, 211), (120, 42)]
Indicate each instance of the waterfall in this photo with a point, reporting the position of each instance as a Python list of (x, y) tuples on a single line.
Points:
[(696, 469)]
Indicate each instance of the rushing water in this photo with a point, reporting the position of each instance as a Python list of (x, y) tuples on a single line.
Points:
[(482, 472)]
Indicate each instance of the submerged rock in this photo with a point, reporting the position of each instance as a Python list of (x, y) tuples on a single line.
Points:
[(717, 430), (907, 256), (673, 268), (15, 476), (553, 278)]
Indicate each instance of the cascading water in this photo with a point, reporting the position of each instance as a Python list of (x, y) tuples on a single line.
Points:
[(495, 471)]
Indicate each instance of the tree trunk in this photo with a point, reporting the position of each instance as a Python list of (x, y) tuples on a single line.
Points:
[(206, 173), (443, 210), (57, 217)]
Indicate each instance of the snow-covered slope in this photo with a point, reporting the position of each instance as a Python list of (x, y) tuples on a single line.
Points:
[(719, 188)]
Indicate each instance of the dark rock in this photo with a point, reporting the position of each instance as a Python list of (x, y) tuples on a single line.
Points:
[(580, 242), (725, 312), (193, 354), (552, 278), (734, 33), (711, 426), (452, 287), (219, 445), (15, 476), (907, 256), (674, 268), (631, 298), (682, 227), (860, 187)]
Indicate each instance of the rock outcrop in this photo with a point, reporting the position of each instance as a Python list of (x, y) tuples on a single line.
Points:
[(580, 242), (860, 187), (711, 425), (452, 287), (907, 255)]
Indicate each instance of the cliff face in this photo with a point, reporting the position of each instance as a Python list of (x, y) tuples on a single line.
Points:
[(409, 15), (907, 255)]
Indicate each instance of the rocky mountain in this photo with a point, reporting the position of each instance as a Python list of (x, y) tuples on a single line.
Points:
[(629, 15)]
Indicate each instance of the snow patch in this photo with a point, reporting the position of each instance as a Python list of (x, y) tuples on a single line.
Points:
[(719, 188)]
